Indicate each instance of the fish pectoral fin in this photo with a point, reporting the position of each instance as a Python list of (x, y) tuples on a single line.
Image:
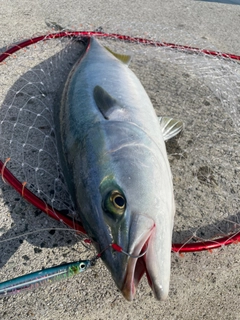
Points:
[(105, 102), (122, 57), (170, 127)]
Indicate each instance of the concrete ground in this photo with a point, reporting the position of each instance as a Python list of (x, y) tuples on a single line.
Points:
[(203, 285)]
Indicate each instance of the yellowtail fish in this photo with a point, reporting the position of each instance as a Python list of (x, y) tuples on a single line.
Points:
[(115, 164)]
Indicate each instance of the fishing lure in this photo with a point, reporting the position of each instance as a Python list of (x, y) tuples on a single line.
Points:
[(41, 277), (54, 274)]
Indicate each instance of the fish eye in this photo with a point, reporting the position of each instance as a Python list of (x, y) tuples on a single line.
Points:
[(115, 203), (118, 201)]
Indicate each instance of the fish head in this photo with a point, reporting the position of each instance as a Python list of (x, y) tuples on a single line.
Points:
[(131, 204), (140, 223)]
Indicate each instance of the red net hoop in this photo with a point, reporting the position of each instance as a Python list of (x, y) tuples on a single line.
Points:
[(20, 187)]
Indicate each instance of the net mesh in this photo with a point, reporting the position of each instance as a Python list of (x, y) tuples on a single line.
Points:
[(202, 91), (27, 132)]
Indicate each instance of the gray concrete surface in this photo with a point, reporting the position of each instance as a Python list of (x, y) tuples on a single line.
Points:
[(203, 285)]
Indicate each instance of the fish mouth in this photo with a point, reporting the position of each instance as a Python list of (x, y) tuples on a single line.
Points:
[(135, 270), (137, 267), (148, 254)]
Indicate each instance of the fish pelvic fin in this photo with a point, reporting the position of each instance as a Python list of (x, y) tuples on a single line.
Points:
[(170, 127), (122, 57)]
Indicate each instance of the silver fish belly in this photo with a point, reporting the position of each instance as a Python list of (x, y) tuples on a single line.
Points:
[(115, 164)]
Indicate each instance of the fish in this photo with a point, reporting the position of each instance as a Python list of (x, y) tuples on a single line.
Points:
[(113, 157)]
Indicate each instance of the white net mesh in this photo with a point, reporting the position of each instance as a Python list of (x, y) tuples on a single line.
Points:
[(27, 133)]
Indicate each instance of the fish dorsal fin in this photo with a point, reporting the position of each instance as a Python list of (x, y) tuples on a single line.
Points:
[(122, 57), (104, 101), (170, 127)]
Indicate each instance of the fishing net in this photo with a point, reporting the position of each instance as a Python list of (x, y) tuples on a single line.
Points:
[(202, 90)]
